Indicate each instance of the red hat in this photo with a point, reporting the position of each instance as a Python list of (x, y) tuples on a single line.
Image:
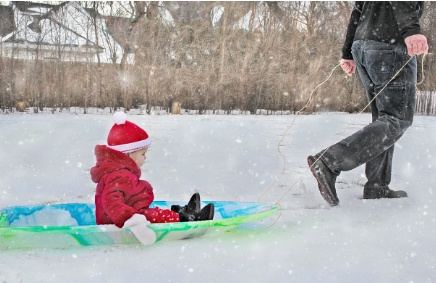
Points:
[(126, 136)]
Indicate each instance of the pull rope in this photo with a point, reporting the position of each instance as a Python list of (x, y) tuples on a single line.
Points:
[(292, 123), (340, 134), (422, 70)]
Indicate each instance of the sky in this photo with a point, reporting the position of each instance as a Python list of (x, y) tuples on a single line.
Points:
[(45, 158)]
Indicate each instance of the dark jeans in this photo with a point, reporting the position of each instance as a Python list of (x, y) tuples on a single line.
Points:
[(392, 114)]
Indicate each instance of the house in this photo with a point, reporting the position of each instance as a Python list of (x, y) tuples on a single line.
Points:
[(65, 32)]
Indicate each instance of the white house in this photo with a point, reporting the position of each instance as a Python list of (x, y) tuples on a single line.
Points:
[(65, 32)]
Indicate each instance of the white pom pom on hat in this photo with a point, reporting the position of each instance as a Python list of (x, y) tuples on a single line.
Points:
[(126, 136), (120, 118)]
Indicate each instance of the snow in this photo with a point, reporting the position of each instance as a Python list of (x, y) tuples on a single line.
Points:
[(46, 158)]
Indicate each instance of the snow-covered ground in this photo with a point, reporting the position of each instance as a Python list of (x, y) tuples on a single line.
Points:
[(46, 158)]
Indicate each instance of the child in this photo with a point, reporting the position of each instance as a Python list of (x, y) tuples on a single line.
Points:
[(123, 199)]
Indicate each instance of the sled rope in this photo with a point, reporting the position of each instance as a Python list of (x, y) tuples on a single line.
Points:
[(275, 221), (292, 123), (422, 70), (340, 134)]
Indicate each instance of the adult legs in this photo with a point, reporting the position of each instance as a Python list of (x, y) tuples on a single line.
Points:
[(392, 114)]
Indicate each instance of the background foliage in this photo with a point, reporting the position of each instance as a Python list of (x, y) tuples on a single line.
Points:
[(209, 55)]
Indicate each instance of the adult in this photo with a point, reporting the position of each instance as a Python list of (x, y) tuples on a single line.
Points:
[(381, 38)]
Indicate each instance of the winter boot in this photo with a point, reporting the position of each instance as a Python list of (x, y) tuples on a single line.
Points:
[(192, 206), (326, 179), (383, 193), (206, 213), (395, 194)]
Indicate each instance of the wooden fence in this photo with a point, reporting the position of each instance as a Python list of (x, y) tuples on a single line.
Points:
[(426, 103)]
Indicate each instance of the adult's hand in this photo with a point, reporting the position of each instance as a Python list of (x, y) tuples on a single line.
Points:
[(349, 66), (416, 44)]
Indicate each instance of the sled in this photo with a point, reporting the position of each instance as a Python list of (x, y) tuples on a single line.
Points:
[(73, 224)]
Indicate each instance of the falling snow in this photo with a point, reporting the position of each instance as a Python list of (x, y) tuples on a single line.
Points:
[(46, 159)]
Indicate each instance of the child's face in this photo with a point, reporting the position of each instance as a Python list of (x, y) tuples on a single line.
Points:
[(139, 156)]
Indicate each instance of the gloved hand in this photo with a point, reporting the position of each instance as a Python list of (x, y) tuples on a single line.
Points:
[(138, 225)]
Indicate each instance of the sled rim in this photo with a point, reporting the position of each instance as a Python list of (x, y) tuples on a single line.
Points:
[(269, 211)]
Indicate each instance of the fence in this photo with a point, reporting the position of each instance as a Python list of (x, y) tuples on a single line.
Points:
[(426, 103)]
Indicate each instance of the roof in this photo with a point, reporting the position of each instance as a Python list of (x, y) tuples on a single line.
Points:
[(25, 6)]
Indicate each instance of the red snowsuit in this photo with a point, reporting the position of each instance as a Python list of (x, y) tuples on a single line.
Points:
[(120, 193)]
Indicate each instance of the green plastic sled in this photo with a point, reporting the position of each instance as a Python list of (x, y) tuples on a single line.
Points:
[(73, 224)]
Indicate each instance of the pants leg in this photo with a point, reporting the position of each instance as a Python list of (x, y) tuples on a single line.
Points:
[(158, 215), (379, 169), (392, 113)]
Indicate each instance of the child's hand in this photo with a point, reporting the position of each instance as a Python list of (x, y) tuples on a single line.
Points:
[(138, 225)]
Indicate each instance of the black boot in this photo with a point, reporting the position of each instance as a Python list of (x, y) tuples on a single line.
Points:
[(383, 193), (395, 194), (192, 206), (206, 213), (326, 179)]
